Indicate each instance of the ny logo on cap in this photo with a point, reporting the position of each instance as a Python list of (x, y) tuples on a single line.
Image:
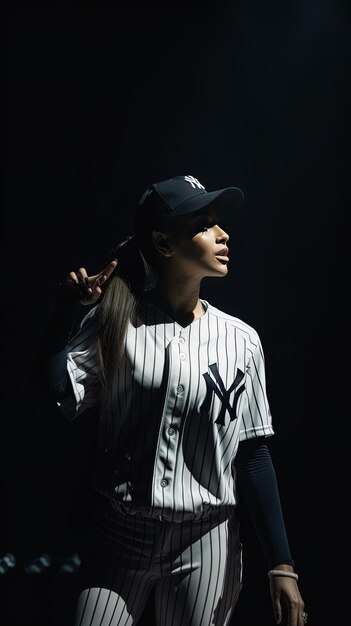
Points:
[(193, 182)]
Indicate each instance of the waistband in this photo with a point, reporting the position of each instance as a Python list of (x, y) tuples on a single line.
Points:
[(219, 513)]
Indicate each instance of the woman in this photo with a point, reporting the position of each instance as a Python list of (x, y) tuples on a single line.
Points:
[(183, 417)]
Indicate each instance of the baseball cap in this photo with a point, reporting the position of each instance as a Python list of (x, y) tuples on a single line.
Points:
[(184, 195)]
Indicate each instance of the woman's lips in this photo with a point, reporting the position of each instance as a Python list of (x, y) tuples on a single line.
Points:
[(222, 255)]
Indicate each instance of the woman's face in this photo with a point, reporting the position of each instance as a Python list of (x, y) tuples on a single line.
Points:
[(199, 245)]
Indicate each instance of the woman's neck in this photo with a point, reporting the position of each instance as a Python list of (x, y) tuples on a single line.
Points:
[(179, 299)]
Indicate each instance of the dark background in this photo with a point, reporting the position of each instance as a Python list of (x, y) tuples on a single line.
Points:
[(100, 101)]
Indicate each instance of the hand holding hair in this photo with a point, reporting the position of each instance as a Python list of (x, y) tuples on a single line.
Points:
[(87, 289)]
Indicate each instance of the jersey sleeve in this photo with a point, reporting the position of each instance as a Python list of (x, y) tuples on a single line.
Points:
[(256, 414), (82, 370)]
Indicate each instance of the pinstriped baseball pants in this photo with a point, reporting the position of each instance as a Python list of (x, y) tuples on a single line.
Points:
[(194, 567)]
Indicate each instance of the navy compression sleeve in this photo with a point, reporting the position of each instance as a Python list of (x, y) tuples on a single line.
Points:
[(258, 489)]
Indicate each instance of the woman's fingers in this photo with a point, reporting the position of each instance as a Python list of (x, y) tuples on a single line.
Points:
[(285, 591), (105, 274), (82, 275), (88, 288), (72, 278)]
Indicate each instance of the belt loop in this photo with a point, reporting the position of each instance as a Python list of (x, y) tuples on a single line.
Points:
[(160, 517)]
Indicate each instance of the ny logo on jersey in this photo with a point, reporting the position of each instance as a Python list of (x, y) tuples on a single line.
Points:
[(193, 182), (215, 385)]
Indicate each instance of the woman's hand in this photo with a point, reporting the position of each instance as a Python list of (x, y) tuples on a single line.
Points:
[(87, 289), (285, 590)]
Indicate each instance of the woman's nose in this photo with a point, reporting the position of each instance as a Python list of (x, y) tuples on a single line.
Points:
[(222, 235)]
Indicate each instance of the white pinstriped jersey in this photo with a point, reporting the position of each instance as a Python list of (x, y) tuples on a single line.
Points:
[(183, 399)]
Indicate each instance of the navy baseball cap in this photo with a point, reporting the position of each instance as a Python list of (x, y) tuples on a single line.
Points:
[(184, 195)]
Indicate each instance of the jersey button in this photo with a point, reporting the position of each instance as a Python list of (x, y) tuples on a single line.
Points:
[(180, 389), (164, 482), (182, 356), (181, 340), (171, 431)]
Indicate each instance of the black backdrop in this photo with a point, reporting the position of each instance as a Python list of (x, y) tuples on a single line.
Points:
[(103, 99)]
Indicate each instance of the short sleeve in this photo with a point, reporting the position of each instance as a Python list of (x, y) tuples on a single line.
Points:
[(82, 370), (256, 414)]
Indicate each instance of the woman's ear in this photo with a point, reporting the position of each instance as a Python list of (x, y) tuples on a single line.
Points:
[(161, 243)]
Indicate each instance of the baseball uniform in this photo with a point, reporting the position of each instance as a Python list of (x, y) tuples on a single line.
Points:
[(183, 399)]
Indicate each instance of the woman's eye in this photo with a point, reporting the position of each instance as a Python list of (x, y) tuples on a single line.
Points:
[(206, 226)]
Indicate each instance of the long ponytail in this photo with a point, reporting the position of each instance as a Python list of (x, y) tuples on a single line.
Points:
[(117, 307)]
